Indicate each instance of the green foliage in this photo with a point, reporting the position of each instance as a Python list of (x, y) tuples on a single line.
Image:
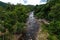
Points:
[(50, 11), (1, 38), (54, 13), (13, 19), (18, 28), (52, 37)]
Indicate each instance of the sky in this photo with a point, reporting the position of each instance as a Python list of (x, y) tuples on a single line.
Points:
[(25, 2)]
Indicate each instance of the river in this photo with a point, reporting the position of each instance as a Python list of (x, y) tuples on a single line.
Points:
[(32, 27)]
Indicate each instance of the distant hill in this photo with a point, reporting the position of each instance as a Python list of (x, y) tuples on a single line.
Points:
[(3, 4)]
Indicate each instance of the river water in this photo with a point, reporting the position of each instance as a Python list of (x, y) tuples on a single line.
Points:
[(32, 27)]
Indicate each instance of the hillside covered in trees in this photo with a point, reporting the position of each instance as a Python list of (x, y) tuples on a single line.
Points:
[(13, 18), (51, 12)]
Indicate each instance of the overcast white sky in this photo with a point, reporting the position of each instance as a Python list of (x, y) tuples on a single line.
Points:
[(25, 2)]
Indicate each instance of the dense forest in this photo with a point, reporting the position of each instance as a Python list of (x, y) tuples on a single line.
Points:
[(51, 12), (13, 18)]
